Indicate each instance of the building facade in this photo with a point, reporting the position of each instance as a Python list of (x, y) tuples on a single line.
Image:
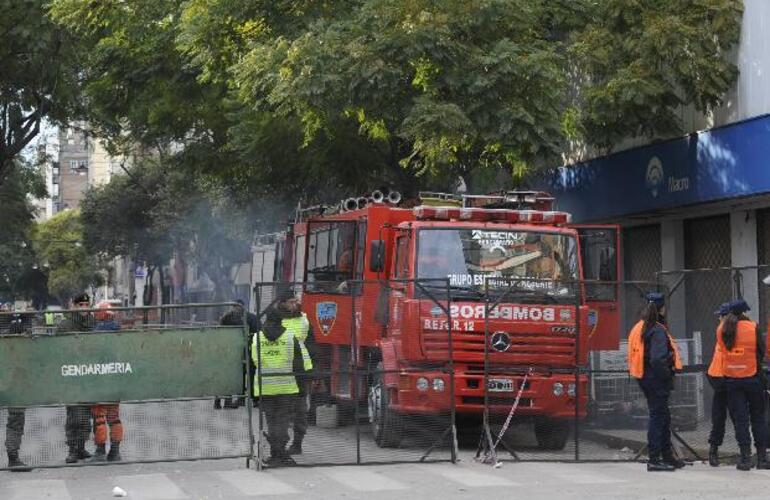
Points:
[(694, 210)]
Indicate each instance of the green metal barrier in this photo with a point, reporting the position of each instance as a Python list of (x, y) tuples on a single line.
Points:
[(121, 366)]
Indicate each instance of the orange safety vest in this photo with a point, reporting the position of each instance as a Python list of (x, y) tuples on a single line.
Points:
[(636, 350), (741, 360), (716, 367)]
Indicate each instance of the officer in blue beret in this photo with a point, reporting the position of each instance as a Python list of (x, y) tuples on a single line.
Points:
[(719, 402)]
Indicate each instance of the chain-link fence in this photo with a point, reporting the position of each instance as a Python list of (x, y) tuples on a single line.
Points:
[(382, 372), (124, 385)]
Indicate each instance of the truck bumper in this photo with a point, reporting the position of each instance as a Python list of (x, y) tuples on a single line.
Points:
[(543, 395)]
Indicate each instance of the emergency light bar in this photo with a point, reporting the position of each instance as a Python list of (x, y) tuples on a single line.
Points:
[(426, 212)]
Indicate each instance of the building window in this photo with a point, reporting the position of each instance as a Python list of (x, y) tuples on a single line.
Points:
[(55, 191)]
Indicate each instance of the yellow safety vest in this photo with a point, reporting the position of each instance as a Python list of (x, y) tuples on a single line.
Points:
[(49, 319), (275, 366), (300, 327)]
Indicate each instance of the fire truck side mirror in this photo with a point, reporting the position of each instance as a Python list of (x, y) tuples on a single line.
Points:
[(377, 256)]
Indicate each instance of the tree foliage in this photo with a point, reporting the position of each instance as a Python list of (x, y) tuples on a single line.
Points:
[(20, 273), (311, 98), (58, 243), (39, 77)]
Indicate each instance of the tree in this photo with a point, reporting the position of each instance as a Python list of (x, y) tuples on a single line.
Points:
[(281, 95), (458, 85), (39, 79), (20, 273), (58, 242)]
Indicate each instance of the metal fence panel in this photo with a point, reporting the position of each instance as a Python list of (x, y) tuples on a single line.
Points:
[(367, 402), (155, 373)]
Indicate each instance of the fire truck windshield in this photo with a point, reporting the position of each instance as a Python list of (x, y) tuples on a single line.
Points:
[(529, 264)]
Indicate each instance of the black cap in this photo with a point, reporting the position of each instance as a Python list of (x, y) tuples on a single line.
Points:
[(83, 297), (285, 292)]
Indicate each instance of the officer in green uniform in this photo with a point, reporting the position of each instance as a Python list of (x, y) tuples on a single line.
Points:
[(77, 427), (14, 426), (272, 351)]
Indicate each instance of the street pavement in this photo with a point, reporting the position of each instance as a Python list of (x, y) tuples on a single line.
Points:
[(229, 479)]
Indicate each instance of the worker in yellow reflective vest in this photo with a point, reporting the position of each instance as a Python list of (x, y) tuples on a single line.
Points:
[(273, 352), (295, 321)]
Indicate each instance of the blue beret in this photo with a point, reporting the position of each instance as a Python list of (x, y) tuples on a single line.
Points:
[(723, 310), (739, 306), (656, 298)]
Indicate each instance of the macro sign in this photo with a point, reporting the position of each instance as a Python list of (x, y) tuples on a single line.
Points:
[(128, 365), (708, 166)]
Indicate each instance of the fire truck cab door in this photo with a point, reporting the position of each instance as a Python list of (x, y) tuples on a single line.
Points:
[(600, 260)]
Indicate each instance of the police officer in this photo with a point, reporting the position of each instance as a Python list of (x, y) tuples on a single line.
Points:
[(653, 358), (719, 401), (742, 350), (272, 351), (294, 320), (14, 426), (77, 426)]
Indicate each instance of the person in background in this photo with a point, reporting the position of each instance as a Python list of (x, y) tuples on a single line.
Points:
[(743, 352), (14, 426), (653, 358), (234, 317), (78, 424), (719, 401), (106, 414)]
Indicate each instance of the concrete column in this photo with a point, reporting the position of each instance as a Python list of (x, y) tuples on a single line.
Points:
[(743, 234), (672, 254)]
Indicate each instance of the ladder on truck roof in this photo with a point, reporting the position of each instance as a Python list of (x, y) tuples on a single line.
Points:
[(531, 200)]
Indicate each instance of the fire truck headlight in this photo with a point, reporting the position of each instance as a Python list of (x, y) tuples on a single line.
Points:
[(422, 384), (558, 389), (438, 385), (571, 390)]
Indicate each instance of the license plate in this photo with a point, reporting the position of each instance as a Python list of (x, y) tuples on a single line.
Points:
[(500, 385)]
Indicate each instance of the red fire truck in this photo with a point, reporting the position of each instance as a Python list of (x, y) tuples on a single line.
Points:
[(391, 326)]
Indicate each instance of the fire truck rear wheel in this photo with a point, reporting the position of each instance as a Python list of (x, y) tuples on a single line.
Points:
[(386, 424), (551, 433)]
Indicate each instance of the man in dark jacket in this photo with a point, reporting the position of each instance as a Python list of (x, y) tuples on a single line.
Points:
[(78, 424), (234, 317), (14, 426)]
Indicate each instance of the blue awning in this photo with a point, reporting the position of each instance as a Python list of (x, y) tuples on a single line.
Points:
[(717, 164)]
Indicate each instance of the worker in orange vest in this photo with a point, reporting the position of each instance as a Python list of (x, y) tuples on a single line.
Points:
[(719, 402), (653, 358), (742, 349)]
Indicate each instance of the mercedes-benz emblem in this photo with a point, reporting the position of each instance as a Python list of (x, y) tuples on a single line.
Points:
[(500, 341)]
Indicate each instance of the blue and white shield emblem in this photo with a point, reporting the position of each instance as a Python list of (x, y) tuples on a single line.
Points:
[(326, 315)]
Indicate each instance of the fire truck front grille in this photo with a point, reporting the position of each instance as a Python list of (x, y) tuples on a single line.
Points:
[(526, 348)]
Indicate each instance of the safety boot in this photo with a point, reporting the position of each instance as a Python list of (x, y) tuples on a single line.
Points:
[(15, 464), (83, 454), (72, 456), (114, 455), (714, 455), (655, 464), (296, 446), (100, 455), (745, 462), (668, 457), (762, 462)]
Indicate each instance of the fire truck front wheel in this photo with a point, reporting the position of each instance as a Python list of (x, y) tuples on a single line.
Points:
[(551, 433), (386, 424)]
